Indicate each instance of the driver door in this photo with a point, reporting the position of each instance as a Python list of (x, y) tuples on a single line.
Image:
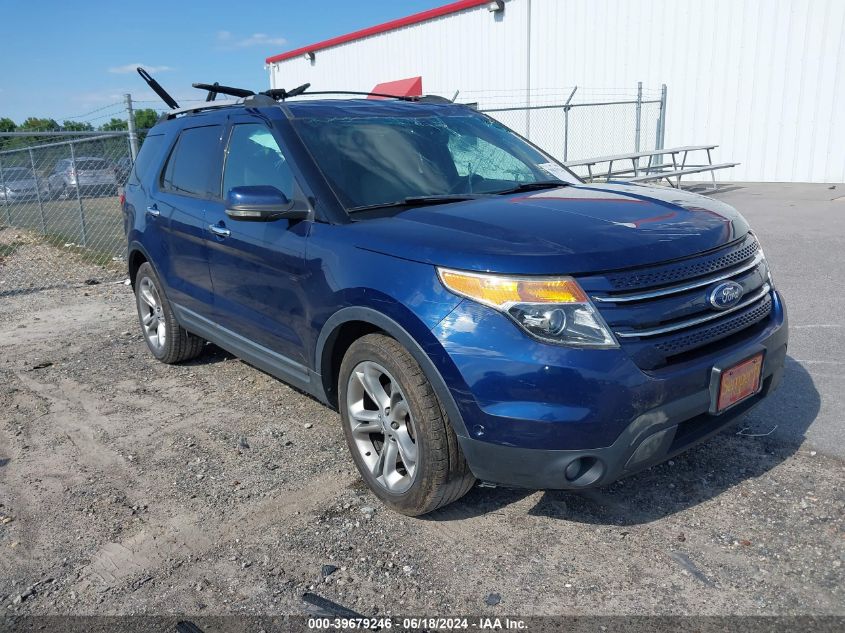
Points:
[(257, 267)]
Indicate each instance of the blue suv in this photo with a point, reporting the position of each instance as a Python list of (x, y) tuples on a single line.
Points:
[(472, 309)]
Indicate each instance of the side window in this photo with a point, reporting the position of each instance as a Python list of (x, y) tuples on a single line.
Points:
[(476, 156), (150, 150), (191, 164), (254, 158)]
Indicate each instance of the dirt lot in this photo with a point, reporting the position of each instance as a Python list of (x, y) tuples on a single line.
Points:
[(131, 487)]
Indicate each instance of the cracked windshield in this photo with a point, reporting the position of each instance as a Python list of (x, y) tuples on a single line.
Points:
[(381, 161)]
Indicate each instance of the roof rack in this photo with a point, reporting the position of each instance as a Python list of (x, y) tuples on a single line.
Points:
[(277, 94), (264, 98), (199, 108)]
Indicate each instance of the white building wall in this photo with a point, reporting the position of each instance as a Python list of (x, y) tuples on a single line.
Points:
[(765, 79)]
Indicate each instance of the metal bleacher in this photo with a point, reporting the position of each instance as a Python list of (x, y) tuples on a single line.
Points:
[(657, 168)]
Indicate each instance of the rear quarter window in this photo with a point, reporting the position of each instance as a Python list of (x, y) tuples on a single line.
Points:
[(191, 165), (147, 158)]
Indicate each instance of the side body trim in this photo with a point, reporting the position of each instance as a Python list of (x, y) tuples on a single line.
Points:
[(273, 363)]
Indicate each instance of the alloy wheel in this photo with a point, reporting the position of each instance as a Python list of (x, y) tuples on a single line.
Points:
[(382, 426), (152, 314)]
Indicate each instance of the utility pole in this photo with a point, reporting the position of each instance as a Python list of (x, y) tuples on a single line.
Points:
[(130, 119)]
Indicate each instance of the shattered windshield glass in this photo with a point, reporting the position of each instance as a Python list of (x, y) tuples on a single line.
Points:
[(373, 160)]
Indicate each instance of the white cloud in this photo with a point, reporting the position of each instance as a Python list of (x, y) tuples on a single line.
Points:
[(130, 68), (100, 96), (227, 41)]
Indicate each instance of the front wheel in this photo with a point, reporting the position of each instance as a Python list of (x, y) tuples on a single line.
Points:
[(399, 436)]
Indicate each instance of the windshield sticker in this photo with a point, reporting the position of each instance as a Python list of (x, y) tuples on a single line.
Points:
[(553, 169)]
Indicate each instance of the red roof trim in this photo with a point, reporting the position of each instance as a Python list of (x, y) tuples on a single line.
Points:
[(416, 18)]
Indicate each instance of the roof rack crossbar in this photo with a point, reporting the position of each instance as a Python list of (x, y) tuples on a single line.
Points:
[(156, 87), (216, 88)]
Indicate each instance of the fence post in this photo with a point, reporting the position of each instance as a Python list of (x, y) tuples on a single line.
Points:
[(5, 198), (38, 193), (133, 135), (82, 228), (566, 109), (639, 122), (661, 126), (660, 132)]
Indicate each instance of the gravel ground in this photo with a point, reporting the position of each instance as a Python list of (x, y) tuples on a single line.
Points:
[(130, 487)]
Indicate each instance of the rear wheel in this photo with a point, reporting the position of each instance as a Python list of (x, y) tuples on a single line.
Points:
[(399, 436), (168, 341)]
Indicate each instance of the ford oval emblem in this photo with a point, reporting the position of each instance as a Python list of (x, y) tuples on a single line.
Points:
[(725, 295)]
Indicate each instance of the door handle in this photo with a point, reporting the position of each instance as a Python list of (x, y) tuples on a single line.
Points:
[(153, 211), (219, 231)]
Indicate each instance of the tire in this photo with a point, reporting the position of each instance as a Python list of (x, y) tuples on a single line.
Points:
[(414, 477), (168, 341)]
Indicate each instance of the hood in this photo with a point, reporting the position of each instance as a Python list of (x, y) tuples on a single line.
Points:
[(567, 230)]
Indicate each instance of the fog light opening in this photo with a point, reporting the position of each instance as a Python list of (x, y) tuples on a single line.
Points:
[(583, 471)]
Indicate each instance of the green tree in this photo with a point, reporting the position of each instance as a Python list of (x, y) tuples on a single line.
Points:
[(34, 124), (145, 118), (115, 125), (6, 125), (76, 126)]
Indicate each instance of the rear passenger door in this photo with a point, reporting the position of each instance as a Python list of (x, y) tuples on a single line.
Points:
[(189, 183), (257, 267)]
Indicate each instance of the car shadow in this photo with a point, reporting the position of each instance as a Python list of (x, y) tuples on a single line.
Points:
[(764, 438), (211, 354)]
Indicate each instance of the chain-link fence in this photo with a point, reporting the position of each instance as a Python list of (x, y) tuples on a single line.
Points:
[(574, 124), (60, 218)]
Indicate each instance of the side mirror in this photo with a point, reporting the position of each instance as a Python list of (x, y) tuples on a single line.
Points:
[(261, 203)]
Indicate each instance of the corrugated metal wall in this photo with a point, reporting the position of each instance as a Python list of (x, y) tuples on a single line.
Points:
[(763, 78)]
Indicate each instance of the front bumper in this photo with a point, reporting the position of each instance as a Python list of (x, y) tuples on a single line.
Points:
[(587, 418)]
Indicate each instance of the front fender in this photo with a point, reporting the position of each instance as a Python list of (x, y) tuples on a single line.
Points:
[(412, 334)]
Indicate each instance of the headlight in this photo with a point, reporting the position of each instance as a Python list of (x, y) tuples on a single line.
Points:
[(552, 309), (764, 261)]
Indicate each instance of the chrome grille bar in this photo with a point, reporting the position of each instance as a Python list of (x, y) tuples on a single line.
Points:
[(662, 292), (666, 329)]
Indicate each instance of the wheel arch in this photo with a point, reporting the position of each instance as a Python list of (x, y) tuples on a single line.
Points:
[(136, 256), (348, 325)]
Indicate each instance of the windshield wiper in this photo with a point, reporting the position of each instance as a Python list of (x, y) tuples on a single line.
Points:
[(419, 201), (535, 186)]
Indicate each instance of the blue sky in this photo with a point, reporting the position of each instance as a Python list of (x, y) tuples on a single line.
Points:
[(64, 59)]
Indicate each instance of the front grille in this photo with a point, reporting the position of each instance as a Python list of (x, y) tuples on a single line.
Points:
[(707, 334), (661, 314), (671, 273)]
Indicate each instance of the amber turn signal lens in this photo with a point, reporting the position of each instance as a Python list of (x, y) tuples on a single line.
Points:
[(498, 291)]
